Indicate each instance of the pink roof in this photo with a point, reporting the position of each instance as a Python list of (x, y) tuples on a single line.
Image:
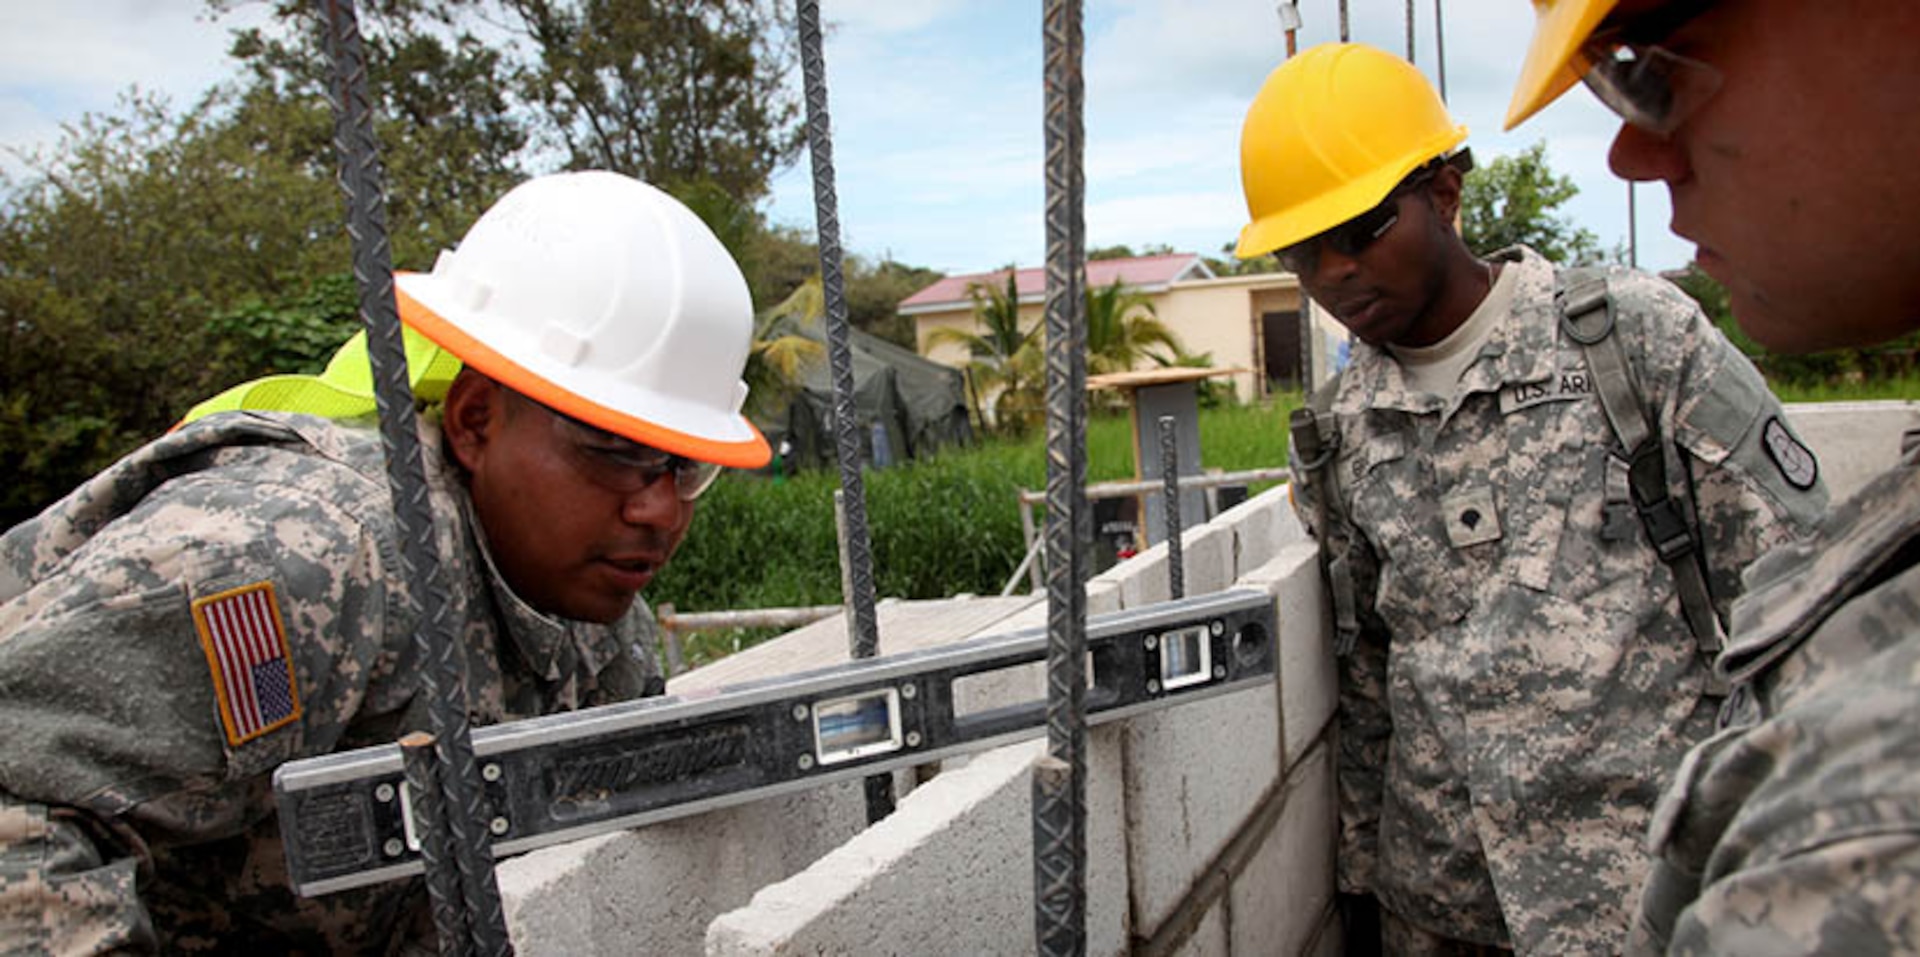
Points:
[(1145, 272)]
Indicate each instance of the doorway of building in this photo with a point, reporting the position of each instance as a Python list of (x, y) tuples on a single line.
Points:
[(1280, 334)]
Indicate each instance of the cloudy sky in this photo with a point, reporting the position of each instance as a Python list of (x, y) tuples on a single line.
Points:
[(937, 108)]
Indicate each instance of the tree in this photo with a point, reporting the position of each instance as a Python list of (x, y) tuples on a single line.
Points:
[(665, 90), (1005, 357), (1122, 328), (450, 137), (1228, 264), (1512, 200), (117, 250), (781, 355)]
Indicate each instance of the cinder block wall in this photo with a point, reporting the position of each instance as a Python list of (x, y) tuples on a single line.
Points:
[(1210, 825)]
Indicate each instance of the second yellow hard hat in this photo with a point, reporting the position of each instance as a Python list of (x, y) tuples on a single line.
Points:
[(1330, 133)]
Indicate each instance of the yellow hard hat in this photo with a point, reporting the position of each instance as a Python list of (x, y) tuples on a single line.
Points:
[(1561, 27), (1330, 133)]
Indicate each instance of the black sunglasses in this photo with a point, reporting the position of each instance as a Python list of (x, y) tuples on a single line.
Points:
[(1352, 237)]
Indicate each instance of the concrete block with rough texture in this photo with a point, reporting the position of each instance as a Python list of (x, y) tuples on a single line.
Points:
[(1280, 898), (950, 872), (1194, 773), (654, 889), (1261, 526), (1308, 694)]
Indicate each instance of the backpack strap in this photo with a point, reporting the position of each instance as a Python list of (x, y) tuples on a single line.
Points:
[(1316, 445), (1587, 316)]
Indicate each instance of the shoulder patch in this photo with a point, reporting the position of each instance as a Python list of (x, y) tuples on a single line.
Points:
[(1795, 461), (246, 646)]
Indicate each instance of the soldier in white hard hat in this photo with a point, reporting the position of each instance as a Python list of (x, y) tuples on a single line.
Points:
[(1785, 132), (230, 596)]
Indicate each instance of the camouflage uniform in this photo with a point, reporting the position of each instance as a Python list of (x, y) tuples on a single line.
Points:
[(1523, 676), (129, 816), (1796, 829)]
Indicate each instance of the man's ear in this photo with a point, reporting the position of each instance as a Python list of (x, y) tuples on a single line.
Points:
[(1445, 189), (471, 415)]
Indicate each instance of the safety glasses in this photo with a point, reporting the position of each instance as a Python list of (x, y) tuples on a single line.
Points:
[(1352, 237), (1645, 84), (626, 466)]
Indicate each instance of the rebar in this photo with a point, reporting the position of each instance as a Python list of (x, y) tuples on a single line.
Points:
[(863, 630), (363, 181), (423, 800), (1170, 497), (1059, 784)]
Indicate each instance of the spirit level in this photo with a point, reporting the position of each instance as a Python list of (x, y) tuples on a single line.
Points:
[(346, 818)]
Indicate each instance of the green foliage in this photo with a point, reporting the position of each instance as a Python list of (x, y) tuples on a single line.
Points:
[(1513, 200), (297, 333), (1227, 264), (1851, 371), (940, 526), (1123, 329), (781, 355), (666, 90), (1006, 359)]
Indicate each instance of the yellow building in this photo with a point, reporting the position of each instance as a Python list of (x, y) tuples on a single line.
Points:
[(1245, 322)]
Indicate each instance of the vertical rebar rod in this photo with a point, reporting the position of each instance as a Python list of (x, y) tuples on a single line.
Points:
[(441, 675), (1410, 16), (1059, 783), (423, 800), (1440, 46), (1170, 479), (1345, 34), (863, 629)]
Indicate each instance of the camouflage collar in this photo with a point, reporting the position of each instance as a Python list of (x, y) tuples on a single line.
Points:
[(552, 647)]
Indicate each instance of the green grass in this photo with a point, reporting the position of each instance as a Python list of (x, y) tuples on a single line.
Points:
[(1904, 387)]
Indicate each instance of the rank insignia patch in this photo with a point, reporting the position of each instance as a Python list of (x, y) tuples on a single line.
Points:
[(1795, 461), (246, 647)]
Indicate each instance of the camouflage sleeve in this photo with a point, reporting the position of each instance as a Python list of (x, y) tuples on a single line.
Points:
[(1855, 896), (124, 714), (1364, 725), (1755, 484), (59, 894), (1364, 729)]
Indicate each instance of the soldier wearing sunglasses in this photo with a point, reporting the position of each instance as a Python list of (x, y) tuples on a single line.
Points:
[(1785, 132), (1520, 655)]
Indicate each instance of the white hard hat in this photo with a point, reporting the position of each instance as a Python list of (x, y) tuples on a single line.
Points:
[(605, 299)]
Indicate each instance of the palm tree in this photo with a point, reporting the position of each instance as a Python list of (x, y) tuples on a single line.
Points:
[(1121, 329), (1003, 356), (781, 355)]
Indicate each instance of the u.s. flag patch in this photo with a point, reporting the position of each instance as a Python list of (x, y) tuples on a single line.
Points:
[(246, 648)]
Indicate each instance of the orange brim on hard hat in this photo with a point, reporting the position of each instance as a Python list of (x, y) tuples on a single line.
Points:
[(1550, 67), (747, 448)]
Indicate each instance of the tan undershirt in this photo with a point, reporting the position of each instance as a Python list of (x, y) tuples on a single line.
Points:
[(1436, 369)]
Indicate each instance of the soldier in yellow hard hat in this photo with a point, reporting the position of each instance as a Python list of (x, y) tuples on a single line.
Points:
[(230, 597), (1785, 132), (1504, 484)]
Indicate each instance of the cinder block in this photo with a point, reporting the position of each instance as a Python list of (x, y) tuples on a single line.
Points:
[(1206, 565), (1210, 938), (950, 872), (1261, 525), (1194, 774), (654, 889), (1280, 898), (1308, 689), (1209, 558)]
